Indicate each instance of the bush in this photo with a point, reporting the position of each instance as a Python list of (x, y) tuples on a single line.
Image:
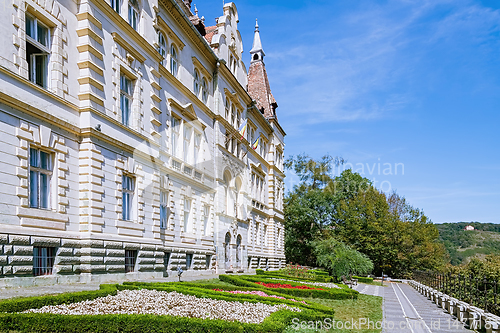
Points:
[(34, 322), (363, 279), (322, 277), (22, 304)]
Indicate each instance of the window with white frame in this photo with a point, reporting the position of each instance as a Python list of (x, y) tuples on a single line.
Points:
[(233, 116), (40, 176), (187, 142), (196, 150), (206, 215), (257, 233), (265, 236), (174, 63), (204, 90), (128, 189), (227, 107), (162, 47), (37, 50), (187, 215), (196, 83), (238, 119), (164, 209), (176, 125), (115, 4), (133, 13), (126, 98)]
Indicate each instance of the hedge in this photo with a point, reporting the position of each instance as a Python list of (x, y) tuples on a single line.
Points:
[(363, 279), (329, 293), (35, 322), (22, 304)]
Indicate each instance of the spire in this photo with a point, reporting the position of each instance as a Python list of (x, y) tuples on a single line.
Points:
[(258, 83), (257, 52)]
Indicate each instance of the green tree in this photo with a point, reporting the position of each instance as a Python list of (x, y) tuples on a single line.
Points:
[(340, 259)]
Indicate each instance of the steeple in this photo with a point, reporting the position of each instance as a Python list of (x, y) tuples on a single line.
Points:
[(257, 52), (258, 83)]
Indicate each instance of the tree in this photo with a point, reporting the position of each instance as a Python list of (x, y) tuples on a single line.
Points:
[(397, 237), (340, 259)]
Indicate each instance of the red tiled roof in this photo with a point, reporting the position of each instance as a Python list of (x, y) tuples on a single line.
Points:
[(210, 33), (260, 90)]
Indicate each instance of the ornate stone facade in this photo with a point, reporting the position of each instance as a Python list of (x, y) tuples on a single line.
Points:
[(121, 150)]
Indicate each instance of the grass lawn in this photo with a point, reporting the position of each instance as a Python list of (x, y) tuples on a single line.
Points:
[(368, 307)]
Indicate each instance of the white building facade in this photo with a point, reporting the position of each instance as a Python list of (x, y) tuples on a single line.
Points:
[(121, 150)]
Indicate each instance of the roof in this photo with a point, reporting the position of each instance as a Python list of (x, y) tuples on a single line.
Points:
[(210, 32), (260, 90)]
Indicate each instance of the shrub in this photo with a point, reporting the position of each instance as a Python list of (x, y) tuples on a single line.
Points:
[(363, 279)]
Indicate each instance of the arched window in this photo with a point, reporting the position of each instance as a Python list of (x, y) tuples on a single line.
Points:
[(133, 13), (227, 109), (227, 254), (162, 47), (204, 91), (173, 60), (238, 249), (227, 183), (233, 116), (196, 84)]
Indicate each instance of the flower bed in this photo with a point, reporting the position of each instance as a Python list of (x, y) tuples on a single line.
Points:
[(287, 286), (258, 293), (163, 303), (319, 284)]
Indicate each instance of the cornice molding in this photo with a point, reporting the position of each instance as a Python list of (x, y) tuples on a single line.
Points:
[(162, 25), (123, 43), (202, 68), (185, 90)]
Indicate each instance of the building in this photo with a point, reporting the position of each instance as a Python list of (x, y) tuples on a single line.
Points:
[(121, 150)]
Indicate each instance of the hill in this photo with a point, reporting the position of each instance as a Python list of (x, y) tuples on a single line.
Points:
[(462, 244)]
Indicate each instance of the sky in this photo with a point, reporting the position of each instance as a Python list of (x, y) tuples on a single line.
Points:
[(407, 91)]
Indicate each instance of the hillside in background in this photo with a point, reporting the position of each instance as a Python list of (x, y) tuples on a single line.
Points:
[(462, 244)]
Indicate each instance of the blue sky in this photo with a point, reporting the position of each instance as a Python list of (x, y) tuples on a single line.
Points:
[(396, 82)]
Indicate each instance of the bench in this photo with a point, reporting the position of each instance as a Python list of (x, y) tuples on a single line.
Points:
[(351, 282)]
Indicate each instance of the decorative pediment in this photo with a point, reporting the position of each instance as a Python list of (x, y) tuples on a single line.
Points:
[(187, 111)]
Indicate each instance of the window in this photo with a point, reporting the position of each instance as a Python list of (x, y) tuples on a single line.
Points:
[(162, 47), (196, 87), (206, 215), (265, 235), (164, 209), (130, 259), (233, 116), (208, 259), (227, 109), (204, 91), (166, 260), (40, 175), (187, 142), (43, 260), (133, 13), (126, 91), (173, 60), (176, 124), (115, 4), (197, 145), (37, 50), (189, 260), (257, 232), (187, 213), (127, 197)]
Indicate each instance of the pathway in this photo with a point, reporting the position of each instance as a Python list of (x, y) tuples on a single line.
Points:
[(407, 311)]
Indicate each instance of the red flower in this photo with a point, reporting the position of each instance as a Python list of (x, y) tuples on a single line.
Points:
[(287, 286)]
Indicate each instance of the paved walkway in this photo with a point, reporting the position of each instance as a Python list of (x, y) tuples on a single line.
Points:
[(407, 311)]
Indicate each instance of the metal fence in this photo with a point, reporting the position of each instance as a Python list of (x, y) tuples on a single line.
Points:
[(475, 290)]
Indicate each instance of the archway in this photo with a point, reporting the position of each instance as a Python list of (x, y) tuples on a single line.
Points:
[(227, 251)]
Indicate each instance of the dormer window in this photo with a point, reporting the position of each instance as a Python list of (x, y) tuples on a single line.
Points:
[(173, 60), (133, 13)]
